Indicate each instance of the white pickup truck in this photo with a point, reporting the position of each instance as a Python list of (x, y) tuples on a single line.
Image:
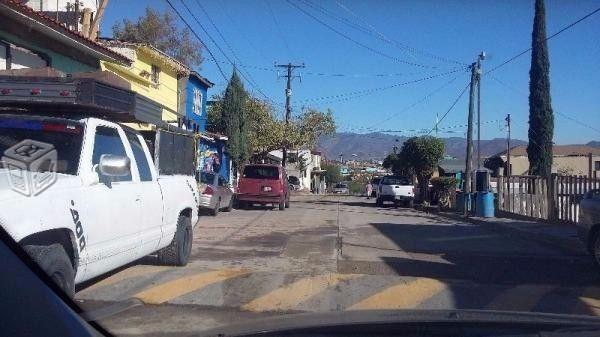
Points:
[(395, 189), (84, 197)]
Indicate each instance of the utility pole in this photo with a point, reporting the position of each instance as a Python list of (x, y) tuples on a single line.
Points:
[(480, 57), (469, 160), (437, 121), (508, 199), (288, 97)]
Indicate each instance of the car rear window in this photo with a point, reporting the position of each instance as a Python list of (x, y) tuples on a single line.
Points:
[(341, 186), (261, 172), (395, 181)]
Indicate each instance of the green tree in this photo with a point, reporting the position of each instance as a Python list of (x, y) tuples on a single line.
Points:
[(233, 118), (422, 155), (332, 173), (399, 165), (493, 164), (162, 32), (541, 117)]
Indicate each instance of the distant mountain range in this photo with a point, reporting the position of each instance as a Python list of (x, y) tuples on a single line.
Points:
[(379, 145)]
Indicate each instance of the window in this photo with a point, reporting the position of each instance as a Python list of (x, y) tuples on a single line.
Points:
[(140, 157), (107, 141), (261, 172), (14, 57), (155, 75), (597, 165)]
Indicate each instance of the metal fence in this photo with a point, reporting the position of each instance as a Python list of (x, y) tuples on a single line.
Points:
[(556, 198)]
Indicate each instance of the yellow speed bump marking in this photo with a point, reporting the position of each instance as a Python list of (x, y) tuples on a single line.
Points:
[(521, 298), (172, 289), (291, 295), (402, 296), (126, 274), (591, 298)]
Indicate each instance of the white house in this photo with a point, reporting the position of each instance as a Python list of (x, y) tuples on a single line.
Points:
[(306, 166)]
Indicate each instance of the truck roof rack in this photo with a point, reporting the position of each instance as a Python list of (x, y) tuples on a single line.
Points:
[(69, 97)]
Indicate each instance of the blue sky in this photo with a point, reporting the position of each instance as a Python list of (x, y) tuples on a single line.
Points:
[(374, 98)]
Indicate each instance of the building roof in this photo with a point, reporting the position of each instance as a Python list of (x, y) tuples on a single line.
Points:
[(557, 150), (202, 80), (452, 165), (120, 47), (47, 24)]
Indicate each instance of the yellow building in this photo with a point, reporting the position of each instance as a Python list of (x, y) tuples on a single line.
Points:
[(152, 74)]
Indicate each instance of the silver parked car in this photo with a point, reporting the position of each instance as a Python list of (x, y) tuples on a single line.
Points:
[(341, 188), (215, 193), (588, 226)]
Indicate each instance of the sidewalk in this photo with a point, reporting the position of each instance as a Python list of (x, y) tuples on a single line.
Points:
[(561, 236)]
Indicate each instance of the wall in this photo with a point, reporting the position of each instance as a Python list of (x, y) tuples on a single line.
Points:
[(165, 93), (57, 61), (579, 164), (195, 102)]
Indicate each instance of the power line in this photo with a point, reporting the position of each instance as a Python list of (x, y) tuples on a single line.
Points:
[(278, 28), (421, 100), (199, 39), (377, 89), (254, 85), (347, 37), (395, 43), (450, 109), (546, 39)]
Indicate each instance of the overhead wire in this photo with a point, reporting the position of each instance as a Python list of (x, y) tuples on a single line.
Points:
[(278, 28), (395, 43), (437, 123), (349, 38), (377, 89), (214, 59), (565, 28), (254, 85)]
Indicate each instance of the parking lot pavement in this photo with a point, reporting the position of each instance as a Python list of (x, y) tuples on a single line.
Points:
[(341, 253)]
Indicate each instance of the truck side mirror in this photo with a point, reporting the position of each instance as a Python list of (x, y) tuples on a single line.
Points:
[(114, 166)]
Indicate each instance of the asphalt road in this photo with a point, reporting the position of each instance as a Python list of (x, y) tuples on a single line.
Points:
[(333, 254)]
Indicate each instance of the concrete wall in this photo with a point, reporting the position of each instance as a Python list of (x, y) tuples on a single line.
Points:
[(195, 102), (576, 165)]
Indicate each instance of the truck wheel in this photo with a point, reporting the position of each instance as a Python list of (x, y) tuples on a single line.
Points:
[(178, 252), (215, 210), (53, 259), (287, 203), (411, 203), (282, 205), (378, 203)]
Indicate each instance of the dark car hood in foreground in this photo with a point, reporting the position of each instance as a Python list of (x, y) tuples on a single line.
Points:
[(328, 320)]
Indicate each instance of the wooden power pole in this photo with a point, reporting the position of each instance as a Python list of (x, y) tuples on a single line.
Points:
[(288, 97)]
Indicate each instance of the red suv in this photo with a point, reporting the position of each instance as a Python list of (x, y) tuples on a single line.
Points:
[(263, 184)]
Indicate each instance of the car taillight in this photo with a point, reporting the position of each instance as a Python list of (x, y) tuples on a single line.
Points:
[(5, 91), (208, 191)]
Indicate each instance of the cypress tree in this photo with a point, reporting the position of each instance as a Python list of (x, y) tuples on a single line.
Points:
[(233, 118), (541, 117)]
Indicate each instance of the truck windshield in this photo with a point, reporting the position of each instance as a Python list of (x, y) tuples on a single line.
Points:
[(395, 181), (26, 138), (261, 172)]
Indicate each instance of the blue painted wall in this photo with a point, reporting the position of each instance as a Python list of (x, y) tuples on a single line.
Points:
[(195, 102)]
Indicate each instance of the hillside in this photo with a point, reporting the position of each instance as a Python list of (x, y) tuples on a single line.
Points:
[(378, 145)]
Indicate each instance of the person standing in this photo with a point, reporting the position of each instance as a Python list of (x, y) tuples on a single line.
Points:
[(369, 189)]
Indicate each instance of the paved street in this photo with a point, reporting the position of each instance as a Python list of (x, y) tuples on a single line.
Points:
[(260, 262)]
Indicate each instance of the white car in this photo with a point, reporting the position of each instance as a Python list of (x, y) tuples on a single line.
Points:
[(395, 189), (215, 193), (83, 197)]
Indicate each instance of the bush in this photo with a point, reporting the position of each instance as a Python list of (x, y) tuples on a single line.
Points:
[(443, 189)]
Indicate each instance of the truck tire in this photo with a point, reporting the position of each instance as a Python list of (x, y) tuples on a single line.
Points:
[(411, 203), (287, 202), (53, 259), (379, 202), (177, 253)]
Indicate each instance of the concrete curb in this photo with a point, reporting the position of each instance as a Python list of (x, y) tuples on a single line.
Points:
[(572, 247)]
